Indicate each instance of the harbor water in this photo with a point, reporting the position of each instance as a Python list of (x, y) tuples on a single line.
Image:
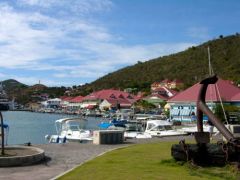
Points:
[(32, 127)]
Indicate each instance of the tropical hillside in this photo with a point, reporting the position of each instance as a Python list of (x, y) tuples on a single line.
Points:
[(189, 66), (24, 94)]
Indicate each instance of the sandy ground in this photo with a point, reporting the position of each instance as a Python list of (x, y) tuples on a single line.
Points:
[(63, 157)]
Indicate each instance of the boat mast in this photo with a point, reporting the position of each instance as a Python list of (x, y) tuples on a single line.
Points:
[(209, 63), (210, 74)]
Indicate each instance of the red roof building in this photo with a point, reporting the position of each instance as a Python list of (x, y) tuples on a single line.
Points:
[(112, 96), (236, 98), (66, 98), (77, 99), (183, 105), (164, 91), (223, 88), (159, 95), (109, 93)]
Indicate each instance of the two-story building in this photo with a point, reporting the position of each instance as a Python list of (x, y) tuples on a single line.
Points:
[(160, 95)]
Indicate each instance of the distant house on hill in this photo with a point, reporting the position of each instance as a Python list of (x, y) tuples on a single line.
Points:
[(130, 90), (41, 97), (183, 105), (159, 95), (168, 84), (38, 87)]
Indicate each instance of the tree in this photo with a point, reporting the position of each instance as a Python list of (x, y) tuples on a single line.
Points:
[(162, 104), (218, 111), (142, 104)]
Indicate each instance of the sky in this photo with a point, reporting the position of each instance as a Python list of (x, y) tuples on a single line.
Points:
[(73, 42)]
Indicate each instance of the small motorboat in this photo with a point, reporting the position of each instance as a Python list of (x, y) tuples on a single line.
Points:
[(113, 125), (135, 130), (155, 128), (70, 129), (161, 128)]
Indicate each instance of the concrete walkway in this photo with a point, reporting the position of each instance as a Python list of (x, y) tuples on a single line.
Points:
[(63, 157)]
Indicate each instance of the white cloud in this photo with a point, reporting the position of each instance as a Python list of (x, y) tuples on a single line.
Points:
[(41, 3), (2, 75), (70, 6), (73, 46), (119, 55), (22, 44)]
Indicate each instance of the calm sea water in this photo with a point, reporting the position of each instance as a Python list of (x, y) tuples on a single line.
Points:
[(32, 127)]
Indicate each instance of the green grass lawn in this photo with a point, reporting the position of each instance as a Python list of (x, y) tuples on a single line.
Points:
[(146, 161)]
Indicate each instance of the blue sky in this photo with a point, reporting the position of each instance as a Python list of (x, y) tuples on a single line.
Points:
[(72, 42)]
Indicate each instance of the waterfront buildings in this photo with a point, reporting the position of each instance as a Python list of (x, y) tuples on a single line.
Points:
[(104, 99), (183, 105), (52, 103), (109, 98)]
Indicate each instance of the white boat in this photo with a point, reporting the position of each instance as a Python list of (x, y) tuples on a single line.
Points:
[(155, 128), (138, 135), (160, 128), (134, 130), (70, 129)]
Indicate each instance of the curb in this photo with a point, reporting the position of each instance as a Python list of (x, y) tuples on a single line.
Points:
[(65, 172)]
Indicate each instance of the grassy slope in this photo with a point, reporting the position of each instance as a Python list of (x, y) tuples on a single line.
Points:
[(190, 66), (146, 161)]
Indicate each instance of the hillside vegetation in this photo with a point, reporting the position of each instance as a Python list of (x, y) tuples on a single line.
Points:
[(190, 66), (24, 94)]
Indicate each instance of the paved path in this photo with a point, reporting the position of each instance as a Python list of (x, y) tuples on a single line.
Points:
[(64, 157)]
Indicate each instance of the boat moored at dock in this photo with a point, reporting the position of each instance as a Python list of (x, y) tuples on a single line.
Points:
[(70, 129)]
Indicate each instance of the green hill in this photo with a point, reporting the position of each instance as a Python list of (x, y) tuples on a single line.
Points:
[(24, 94), (190, 66), (13, 87), (12, 84)]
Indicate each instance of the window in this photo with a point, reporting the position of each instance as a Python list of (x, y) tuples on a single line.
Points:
[(112, 96), (168, 127)]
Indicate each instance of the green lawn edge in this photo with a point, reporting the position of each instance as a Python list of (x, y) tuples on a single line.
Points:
[(146, 161)]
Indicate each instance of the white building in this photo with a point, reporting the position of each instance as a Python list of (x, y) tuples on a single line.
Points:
[(51, 103)]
